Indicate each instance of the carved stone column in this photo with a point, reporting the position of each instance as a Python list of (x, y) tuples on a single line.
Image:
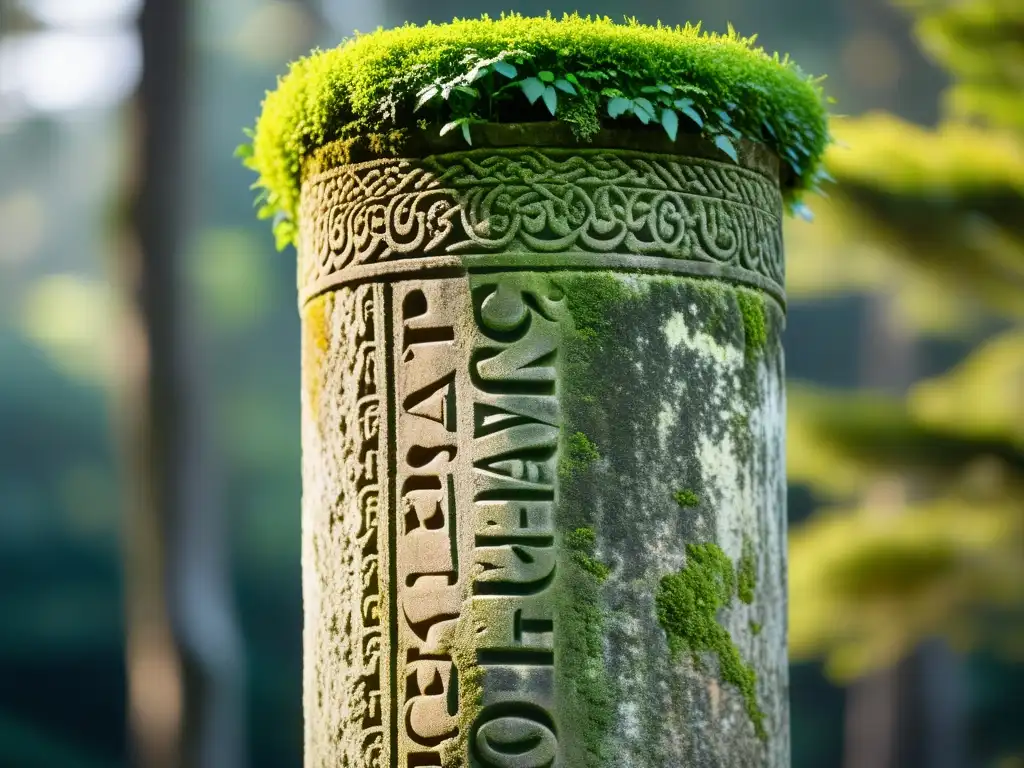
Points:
[(543, 438)]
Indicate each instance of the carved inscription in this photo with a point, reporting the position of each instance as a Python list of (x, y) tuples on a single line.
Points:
[(513, 369), (430, 461), (477, 430), (341, 538)]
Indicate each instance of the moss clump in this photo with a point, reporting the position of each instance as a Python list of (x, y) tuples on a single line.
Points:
[(686, 498), (755, 628), (460, 644), (755, 323), (746, 573), (371, 85), (583, 691), (688, 603), (578, 453), (580, 544)]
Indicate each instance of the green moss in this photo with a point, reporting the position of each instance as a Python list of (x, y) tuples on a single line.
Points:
[(577, 454), (584, 697), (687, 605), (370, 86), (755, 628), (686, 498), (715, 299), (755, 324), (746, 573), (460, 644), (580, 544), (583, 692)]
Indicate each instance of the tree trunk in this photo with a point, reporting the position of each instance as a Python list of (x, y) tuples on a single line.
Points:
[(183, 651)]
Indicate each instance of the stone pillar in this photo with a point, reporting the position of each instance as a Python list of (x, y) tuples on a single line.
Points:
[(543, 456)]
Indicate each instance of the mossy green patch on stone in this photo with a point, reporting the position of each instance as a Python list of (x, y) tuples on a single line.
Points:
[(755, 324), (583, 689), (460, 644), (746, 573), (583, 692), (580, 544), (755, 628), (578, 453), (687, 605), (686, 498)]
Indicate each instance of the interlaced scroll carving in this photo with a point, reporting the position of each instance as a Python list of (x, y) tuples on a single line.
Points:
[(345, 535), (540, 201)]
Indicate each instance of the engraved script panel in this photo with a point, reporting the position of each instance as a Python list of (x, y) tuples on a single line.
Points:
[(477, 425)]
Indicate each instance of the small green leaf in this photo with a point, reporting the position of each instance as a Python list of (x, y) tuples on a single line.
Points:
[(724, 143), (768, 127), (565, 85), (467, 90), (546, 76), (619, 106), (572, 79), (650, 89), (426, 95), (670, 122), (693, 114), (449, 127), (644, 105), (550, 99), (243, 151), (504, 68), (533, 88), (465, 132), (666, 88), (801, 210), (249, 132)]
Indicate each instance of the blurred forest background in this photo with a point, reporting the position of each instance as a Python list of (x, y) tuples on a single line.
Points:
[(149, 459)]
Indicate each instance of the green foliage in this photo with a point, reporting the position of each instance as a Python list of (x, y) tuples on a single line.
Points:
[(686, 498), (838, 441), (866, 584), (746, 573), (755, 324), (579, 453), (586, 72), (688, 603), (979, 42), (580, 543)]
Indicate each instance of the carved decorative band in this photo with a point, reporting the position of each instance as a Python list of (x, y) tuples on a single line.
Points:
[(553, 202)]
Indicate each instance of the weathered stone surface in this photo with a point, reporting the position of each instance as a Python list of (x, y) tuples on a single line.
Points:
[(543, 462)]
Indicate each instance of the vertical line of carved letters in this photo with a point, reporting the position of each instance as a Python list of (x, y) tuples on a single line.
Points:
[(367, 469), (477, 426), (356, 379)]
